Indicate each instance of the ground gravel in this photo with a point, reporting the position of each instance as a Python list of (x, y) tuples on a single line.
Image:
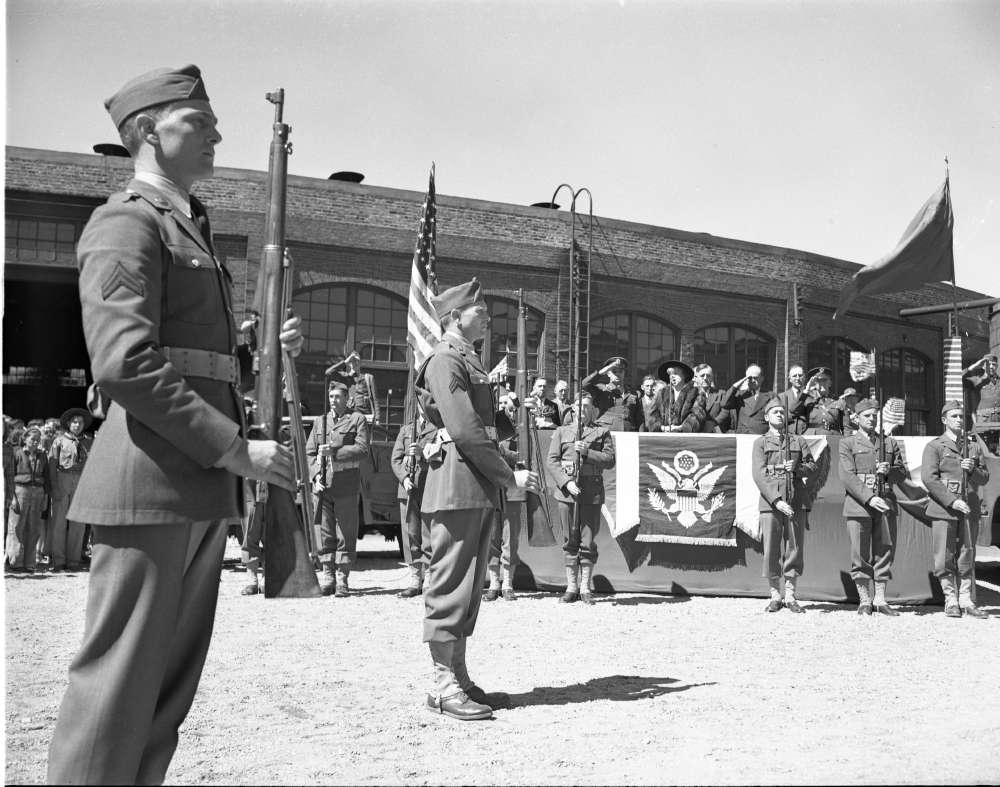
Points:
[(638, 689)]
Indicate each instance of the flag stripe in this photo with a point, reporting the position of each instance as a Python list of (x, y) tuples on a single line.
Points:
[(422, 327), (953, 368)]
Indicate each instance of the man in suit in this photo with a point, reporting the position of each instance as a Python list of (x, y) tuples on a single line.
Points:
[(794, 398), (463, 495), (953, 477), (746, 401), (164, 475), (578, 461), (870, 507), (683, 404), (717, 417)]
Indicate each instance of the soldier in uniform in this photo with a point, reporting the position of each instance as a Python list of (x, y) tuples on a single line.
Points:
[(410, 467), (163, 479), (870, 507), (746, 401), (336, 450), (466, 476), (717, 417), (779, 458), (616, 405), (67, 457), (824, 414), (578, 464), (986, 388), (683, 404), (953, 483)]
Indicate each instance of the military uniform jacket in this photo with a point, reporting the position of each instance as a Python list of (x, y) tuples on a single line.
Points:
[(824, 415), (941, 472), (684, 408), (398, 460), (987, 394), (618, 408), (748, 410), (149, 279), (797, 407), (467, 469), (599, 456), (858, 457), (769, 454), (347, 436)]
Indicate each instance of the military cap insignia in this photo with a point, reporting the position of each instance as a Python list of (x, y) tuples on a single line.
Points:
[(120, 278)]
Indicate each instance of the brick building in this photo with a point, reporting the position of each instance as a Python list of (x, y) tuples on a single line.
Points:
[(656, 293)]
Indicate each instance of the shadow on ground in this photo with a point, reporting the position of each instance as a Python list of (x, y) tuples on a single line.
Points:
[(617, 688)]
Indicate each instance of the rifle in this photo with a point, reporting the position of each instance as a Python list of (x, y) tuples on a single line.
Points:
[(289, 567)]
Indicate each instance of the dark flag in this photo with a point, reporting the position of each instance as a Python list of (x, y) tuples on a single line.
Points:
[(923, 255)]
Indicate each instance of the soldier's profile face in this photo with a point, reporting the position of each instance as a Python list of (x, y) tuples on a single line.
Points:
[(473, 321), (186, 140)]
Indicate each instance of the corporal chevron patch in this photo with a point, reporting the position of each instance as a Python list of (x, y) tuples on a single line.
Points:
[(118, 279)]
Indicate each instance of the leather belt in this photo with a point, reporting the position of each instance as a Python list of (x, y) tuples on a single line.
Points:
[(774, 470), (191, 362)]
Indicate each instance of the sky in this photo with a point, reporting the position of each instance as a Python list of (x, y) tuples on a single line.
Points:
[(820, 126)]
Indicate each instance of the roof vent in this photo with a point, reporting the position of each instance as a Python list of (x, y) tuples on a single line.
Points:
[(111, 149), (550, 205), (347, 177)]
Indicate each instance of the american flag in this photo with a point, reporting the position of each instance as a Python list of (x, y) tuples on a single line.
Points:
[(953, 368), (422, 327), (862, 365), (500, 371), (894, 412)]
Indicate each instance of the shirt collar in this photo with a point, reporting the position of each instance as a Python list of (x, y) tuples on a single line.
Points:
[(177, 197), (462, 343)]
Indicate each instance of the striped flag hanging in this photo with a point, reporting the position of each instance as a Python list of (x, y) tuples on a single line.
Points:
[(893, 413), (500, 371), (862, 365), (422, 327), (953, 368)]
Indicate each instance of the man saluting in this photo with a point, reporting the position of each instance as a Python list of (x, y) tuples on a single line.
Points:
[(463, 494), (163, 478)]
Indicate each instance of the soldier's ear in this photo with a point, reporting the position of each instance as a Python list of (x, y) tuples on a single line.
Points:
[(146, 126)]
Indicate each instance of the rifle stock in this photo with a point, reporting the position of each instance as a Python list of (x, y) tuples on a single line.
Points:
[(289, 569)]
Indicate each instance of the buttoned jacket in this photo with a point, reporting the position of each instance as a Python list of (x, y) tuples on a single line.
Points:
[(467, 470), (748, 410), (149, 279), (824, 415), (598, 457), (770, 451), (347, 436), (399, 463), (941, 472), (717, 417), (858, 456)]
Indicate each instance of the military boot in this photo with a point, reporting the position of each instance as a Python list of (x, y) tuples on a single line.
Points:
[(508, 586), (448, 698), (790, 601), (572, 585), (967, 598), (343, 571), (881, 605), (327, 579), (415, 588), (951, 608), (864, 600), (586, 572), (493, 592)]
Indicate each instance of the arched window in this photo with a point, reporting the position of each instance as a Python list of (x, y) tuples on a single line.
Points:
[(644, 341), (338, 318), (834, 352), (908, 374), (730, 349), (501, 338)]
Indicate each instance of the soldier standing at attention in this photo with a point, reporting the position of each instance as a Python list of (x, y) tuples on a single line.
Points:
[(340, 447), (778, 459), (163, 478), (616, 406), (466, 476), (953, 484), (870, 513), (410, 468), (579, 466)]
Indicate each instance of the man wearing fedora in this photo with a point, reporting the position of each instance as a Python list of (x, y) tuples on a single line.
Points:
[(683, 404), (617, 407), (163, 479), (67, 457)]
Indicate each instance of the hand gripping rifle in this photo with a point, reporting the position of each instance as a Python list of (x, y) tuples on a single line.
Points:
[(289, 567)]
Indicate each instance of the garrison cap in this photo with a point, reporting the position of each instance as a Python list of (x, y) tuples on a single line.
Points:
[(339, 386), (160, 86), (817, 372), (458, 297), (992, 357), (775, 402), (950, 405), (865, 404), (662, 372)]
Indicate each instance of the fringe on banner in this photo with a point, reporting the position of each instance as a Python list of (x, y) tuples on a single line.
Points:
[(687, 540)]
